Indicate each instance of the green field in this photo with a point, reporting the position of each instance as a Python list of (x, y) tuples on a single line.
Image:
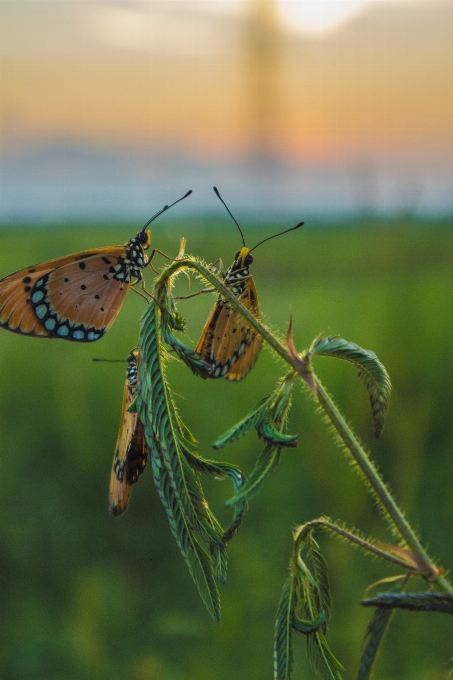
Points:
[(86, 596)]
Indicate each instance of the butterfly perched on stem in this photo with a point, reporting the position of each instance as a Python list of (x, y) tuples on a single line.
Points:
[(76, 297), (131, 451), (227, 343)]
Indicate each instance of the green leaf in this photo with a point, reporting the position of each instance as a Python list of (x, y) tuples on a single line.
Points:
[(186, 354), (267, 461), (319, 571), (300, 611), (283, 644), (218, 470), (372, 372), (176, 482), (244, 426), (197, 560), (416, 602), (309, 627), (268, 417), (373, 637), (314, 604), (266, 430), (321, 658)]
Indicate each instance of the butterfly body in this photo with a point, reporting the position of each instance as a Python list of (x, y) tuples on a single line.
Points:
[(227, 343), (131, 452), (76, 297)]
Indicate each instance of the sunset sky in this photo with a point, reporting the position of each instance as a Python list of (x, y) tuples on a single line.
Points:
[(324, 90)]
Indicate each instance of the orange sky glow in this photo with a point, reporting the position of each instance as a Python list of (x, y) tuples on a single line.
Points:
[(358, 87), (217, 81)]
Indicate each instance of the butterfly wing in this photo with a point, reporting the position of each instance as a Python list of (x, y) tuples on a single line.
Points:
[(130, 456), (16, 310), (227, 342), (74, 298)]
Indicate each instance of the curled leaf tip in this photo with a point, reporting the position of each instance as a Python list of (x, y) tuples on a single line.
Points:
[(301, 363)]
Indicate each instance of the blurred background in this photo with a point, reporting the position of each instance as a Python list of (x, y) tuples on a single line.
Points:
[(338, 112), (331, 106)]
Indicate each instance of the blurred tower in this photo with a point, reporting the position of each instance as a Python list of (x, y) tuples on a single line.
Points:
[(262, 47)]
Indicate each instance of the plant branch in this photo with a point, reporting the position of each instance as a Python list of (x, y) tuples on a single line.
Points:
[(340, 425), (301, 532)]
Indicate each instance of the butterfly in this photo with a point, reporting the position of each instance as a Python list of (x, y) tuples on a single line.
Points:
[(76, 297), (131, 452), (227, 343)]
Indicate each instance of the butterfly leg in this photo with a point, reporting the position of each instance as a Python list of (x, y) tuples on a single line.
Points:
[(150, 259), (147, 293), (186, 297), (214, 269), (172, 259)]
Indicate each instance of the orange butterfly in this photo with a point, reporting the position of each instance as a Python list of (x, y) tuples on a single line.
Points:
[(227, 343), (76, 297), (131, 452)]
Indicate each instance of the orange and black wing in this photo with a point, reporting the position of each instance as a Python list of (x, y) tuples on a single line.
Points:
[(227, 342), (72, 298), (130, 456)]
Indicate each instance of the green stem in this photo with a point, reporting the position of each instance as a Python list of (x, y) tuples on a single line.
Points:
[(302, 531), (359, 455)]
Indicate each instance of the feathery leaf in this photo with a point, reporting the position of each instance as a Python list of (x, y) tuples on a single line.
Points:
[(176, 483), (372, 372), (304, 608), (244, 426), (283, 646), (267, 461), (267, 431), (416, 602), (374, 635), (186, 354)]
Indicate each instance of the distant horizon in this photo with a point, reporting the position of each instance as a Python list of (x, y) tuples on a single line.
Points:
[(78, 181)]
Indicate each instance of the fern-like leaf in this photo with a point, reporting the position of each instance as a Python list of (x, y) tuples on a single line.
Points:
[(270, 434), (318, 569), (323, 662), (309, 627), (244, 426), (304, 608), (267, 461), (372, 372), (218, 470), (373, 637), (177, 485), (283, 645), (312, 606), (268, 417), (416, 602), (197, 560), (186, 354)]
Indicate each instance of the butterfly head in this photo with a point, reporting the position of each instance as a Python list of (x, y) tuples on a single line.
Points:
[(144, 238), (242, 259)]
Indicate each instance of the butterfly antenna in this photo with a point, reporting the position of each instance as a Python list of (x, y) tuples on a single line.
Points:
[(166, 207), (111, 361), (275, 235), (229, 213)]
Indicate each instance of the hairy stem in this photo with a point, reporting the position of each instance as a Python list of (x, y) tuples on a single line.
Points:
[(303, 530)]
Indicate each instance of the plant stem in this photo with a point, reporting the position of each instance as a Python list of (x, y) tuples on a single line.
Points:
[(304, 529), (340, 425)]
